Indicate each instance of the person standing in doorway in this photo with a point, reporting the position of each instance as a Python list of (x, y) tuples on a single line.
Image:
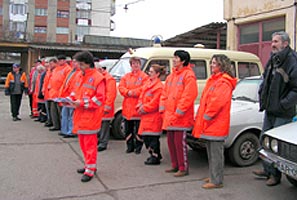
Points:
[(278, 94), (16, 83)]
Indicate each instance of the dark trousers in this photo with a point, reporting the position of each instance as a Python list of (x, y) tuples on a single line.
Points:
[(55, 111), (133, 140), (103, 134), (15, 104), (270, 122), (42, 112), (152, 143)]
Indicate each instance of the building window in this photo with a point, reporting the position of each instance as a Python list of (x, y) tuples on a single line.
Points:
[(17, 26), (39, 29), (249, 34), (270, 27), (40, 12), (18, 9), (62, 30), (83, 14), (63, 13)]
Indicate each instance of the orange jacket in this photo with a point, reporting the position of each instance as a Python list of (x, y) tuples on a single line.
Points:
[(131, 82), (213, 116), (90, 91), (151, 119), (37, 89), (45, 89), (58, 76), (177, 99), (9, 83), (69, 83), (110, 94)]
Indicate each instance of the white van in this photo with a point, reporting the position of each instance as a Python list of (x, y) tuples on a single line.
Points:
[(243, 65)]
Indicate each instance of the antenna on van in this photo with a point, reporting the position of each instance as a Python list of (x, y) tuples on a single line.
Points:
[(200, 46), (157, 40)]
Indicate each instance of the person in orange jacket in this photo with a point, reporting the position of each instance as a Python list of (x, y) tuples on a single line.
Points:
[(37, 96), (88, 99), (177, 106), (130, 88), (110, 93), (151, 120), (213, 117), (59, 73), (67, 111), (16, 83)]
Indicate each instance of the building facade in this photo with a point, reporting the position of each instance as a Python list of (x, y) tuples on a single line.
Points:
[(251, 23), (56, 21)]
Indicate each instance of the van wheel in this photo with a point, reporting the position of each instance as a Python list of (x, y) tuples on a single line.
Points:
[(118, 127), (292, 180), (244, 150)]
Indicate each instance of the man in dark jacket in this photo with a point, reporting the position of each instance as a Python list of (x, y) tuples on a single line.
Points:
[(278, 94)]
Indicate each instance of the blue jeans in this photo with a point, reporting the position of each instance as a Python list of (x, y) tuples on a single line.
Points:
[(66, 121), (271, 122)]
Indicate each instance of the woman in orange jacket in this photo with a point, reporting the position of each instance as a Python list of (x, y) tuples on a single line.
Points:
[(177, 104), (16, 83), (88, 100), (151, 120), (130, 88), (213, 117)]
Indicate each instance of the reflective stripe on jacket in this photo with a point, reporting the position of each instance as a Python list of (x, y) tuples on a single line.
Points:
[(69, 83), (213, 115), (133, 82), (177, 99), (90, 91), (151, 119)]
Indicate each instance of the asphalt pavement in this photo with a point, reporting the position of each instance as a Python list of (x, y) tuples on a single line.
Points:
[(38, 164)]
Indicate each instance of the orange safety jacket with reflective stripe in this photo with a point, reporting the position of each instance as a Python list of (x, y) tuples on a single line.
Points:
[(151, 119), (10, 81), (132, 81), (37, 89), (90, 91), (177, 99), (213, 116), (57, 78), (110, 94), (45, 89), (69, 83)]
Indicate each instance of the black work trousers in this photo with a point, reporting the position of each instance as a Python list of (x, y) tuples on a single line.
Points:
[(152, 143), (15, 104), (133, 140)]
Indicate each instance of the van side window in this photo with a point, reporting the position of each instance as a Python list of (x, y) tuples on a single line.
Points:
[(246, 69), (162, 63), (199, 68)]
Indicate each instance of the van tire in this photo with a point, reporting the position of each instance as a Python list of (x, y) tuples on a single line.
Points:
[(117, 127), (244, 151)]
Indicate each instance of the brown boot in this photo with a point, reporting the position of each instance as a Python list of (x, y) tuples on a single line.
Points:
[(272, 181), (211, 186), (181, 173), (261, 173), (171, 170)]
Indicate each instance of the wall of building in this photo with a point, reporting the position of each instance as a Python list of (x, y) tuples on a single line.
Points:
[(100, 15)]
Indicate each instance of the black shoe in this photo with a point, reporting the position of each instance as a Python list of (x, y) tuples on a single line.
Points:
[(54, 129), (48, 124), (14, 119), (68, 136), (37, 120), (19, 119), (80, 171), (152, 161), (129, 150), (86, 178), (137, 151), (42, 121), (101, 148)]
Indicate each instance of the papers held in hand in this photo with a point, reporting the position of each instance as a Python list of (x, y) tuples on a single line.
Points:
[(65, 101)]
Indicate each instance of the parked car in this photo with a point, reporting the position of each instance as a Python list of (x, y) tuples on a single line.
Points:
[(279, 148), (108, 63), (245, 124)]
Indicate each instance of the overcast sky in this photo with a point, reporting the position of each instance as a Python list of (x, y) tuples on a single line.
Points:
[(168, 18)]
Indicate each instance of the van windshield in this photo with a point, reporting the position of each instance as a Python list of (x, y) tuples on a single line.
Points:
[(122, 67)]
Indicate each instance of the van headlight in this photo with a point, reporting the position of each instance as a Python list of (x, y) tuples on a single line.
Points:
[(266, 143), (274, 145)]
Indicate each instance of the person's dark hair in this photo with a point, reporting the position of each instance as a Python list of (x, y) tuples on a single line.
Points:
[(85, 57), (96, 59), (61, 57), (224, 63), (159, 69), (284, 36), (183, 55)]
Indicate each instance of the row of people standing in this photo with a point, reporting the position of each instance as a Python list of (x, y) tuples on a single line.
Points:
[(170, 108)]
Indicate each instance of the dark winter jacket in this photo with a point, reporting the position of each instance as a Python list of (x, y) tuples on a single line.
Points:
[(278, 91)]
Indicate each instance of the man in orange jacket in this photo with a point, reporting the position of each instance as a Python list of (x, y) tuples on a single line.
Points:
[(177, 104), (88, 99), (130, 88), (15, 84), (110, 93)]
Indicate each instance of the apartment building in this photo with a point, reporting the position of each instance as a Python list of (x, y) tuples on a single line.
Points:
[(56, 21)]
